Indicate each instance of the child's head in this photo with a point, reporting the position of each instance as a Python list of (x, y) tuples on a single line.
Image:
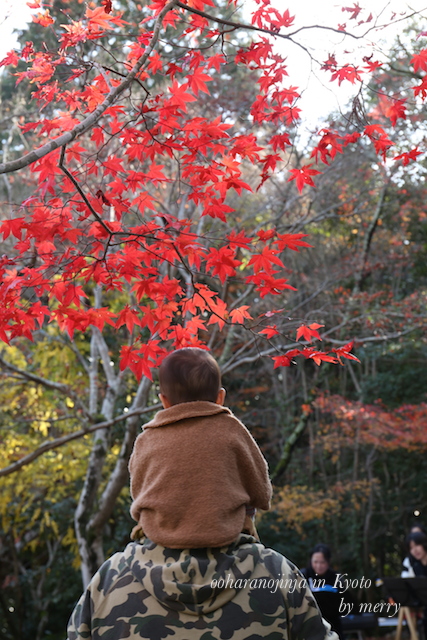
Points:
[(188, 375)]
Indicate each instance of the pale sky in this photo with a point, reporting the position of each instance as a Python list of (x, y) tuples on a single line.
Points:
[(319, 95)]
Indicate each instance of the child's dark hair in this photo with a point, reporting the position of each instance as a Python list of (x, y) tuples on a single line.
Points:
[(188, 375)]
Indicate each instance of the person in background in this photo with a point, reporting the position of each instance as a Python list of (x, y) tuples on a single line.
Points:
[(325, 586), (417, 547), (407, 564)]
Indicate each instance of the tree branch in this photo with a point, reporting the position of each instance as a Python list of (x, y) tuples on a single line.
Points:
[(90, 120), (359, 276), (70, 176), (251, 27), (59, 442), (285, 458), (120, 475), (49, 384)]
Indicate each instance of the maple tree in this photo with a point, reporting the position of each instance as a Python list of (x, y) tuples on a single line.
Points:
[(210, 160), (139, 219)]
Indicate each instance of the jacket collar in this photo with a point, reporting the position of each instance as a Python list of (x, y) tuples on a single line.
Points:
[(185, 410)]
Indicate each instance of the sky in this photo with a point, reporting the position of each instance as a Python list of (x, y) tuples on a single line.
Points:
[(13, 14), (319, 95)]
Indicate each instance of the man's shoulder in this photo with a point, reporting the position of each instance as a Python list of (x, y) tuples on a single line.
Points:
[(111, 569), (275, 563)]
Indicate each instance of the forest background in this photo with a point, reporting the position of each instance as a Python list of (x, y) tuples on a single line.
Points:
[(192, 208)]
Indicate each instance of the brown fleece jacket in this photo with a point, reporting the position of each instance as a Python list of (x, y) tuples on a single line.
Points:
[(194, 469)]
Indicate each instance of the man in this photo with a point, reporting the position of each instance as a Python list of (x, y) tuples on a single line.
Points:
[(243, 591)]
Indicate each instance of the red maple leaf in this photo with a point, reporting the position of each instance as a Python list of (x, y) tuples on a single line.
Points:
[(155, 173), (239, 315), (27, 51), (13, 226), (330, 63), (265, 260), (303, 176), (280, 141), (99, 18), (328, 146), (43, 19), (344, 352), (318, 356), (144, 201), (421, 88), (129, 317), (222, 262), (349, 138), (308, 332), (286, 359), (372, 66), (281, 361), (291, 241), (216, 208), (266, 283), (378, 136), (270, 331), (354, 10), (347, 72), (396, 110), (419, 60), (266, 234), (11, 58), (195, 324), (219, 313), (156, 63), (197, 81), (407, 156), (180, 95), (238, 239)]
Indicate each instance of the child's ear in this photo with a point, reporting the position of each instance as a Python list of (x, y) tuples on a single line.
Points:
[(164, 400), (221, 396)]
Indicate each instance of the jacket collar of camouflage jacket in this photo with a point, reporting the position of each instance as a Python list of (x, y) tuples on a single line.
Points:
[(195, 582)]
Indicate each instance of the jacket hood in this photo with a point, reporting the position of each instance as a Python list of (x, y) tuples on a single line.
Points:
[(195, 583), (184, 411)]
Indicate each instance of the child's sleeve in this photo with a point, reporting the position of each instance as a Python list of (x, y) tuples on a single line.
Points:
[(253, 470)]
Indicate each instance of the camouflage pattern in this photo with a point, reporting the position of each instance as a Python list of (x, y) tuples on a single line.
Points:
[(148, 591)]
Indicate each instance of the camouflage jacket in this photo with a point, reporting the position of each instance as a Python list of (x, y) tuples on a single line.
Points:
[(243, 591)]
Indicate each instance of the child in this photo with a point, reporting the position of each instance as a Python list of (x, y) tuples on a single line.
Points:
[(195, 469)]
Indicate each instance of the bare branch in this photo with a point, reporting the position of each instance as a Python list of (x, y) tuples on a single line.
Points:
[(112, 379), (49, 445), (271, 32), (49, 384), (80, 191), (120, 475)]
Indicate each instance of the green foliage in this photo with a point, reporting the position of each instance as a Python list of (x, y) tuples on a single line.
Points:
[(400, 377)]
